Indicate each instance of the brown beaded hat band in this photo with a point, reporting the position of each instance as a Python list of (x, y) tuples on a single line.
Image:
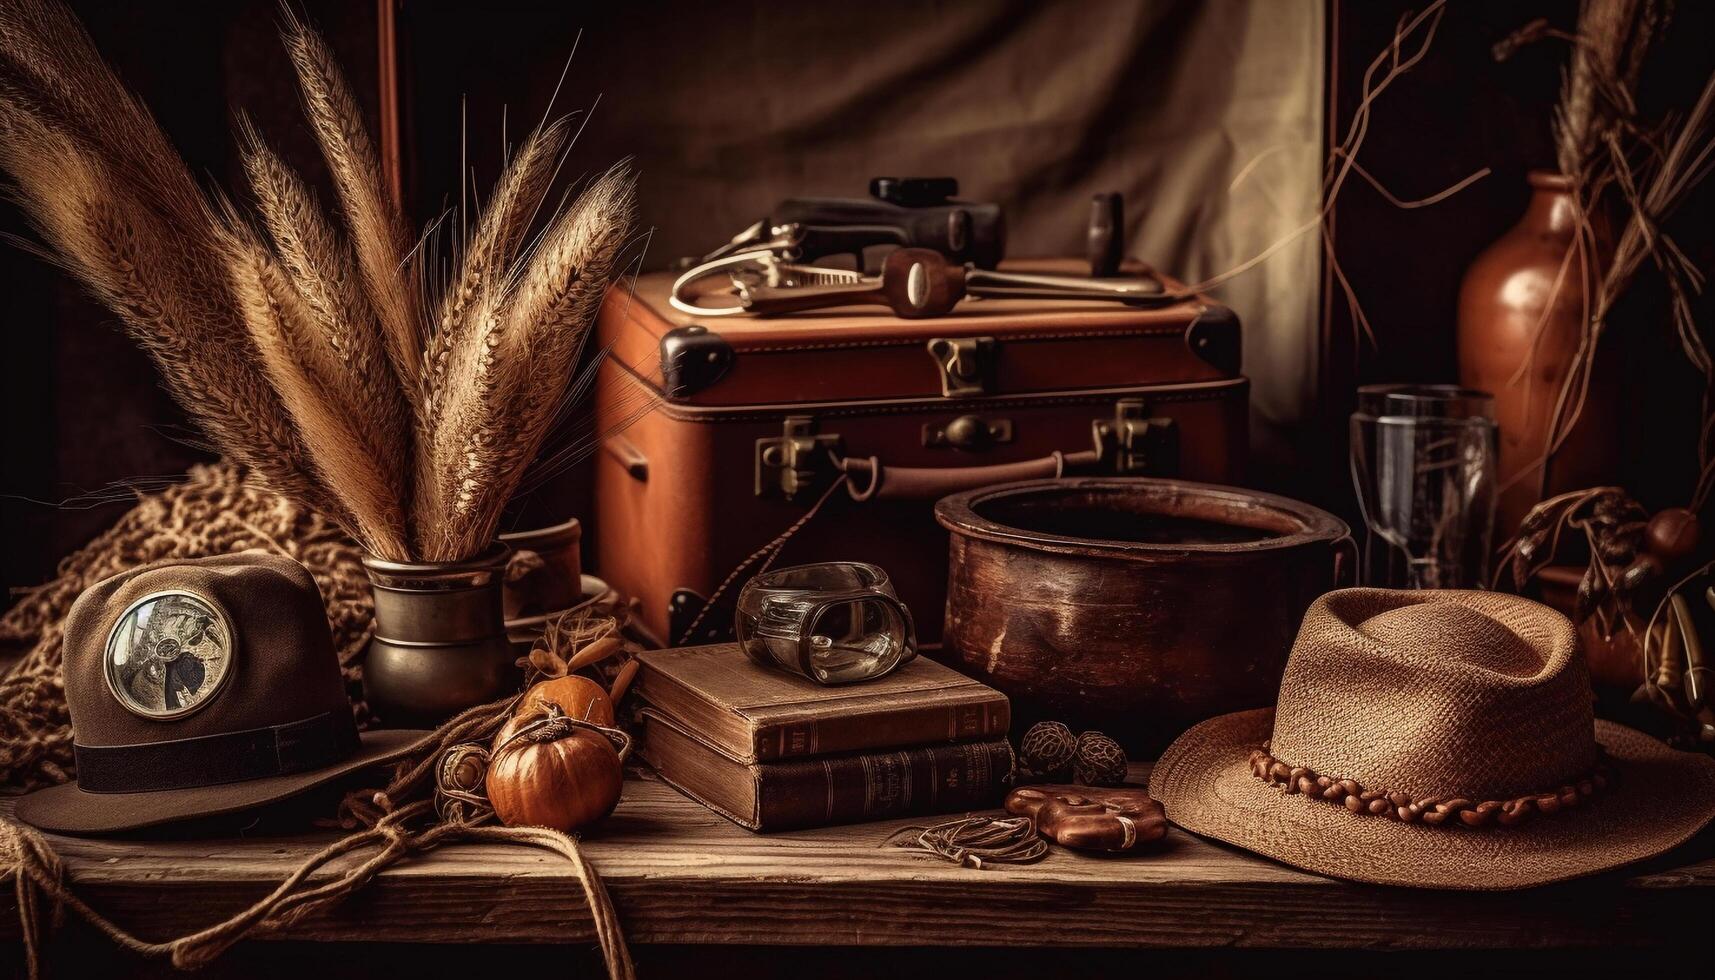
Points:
[(1437, 740)]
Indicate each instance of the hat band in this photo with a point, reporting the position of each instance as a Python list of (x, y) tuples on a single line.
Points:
[(1450, 810), (186, 763)]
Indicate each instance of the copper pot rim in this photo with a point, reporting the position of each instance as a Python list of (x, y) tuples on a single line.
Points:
[(539, 538), (494, 556), (957, 513)]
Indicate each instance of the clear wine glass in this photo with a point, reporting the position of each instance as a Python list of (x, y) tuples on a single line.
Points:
[(1423, 463)]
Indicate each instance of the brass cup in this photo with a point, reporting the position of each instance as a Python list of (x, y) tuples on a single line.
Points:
[(440, 641)]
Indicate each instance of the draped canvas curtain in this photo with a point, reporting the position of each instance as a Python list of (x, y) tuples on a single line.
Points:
[(730, 107)]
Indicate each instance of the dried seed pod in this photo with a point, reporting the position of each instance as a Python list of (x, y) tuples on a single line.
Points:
[(1045, 752), (1591, 591), (1099, 761), (1620, 546), (1671, 535), (1645, 569)]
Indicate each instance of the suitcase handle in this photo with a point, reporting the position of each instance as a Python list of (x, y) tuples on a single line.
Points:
[(926, 482)]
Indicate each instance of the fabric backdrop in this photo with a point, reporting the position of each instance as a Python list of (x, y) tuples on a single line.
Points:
[(730, 107)]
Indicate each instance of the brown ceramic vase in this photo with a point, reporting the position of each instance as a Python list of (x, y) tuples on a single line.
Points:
[(1518, 285)]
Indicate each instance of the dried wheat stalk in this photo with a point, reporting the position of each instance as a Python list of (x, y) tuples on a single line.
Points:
[(166, 284), (377, 229), (486, 259), (339, 346), (1612, 44), (302, 352), (285, 333), (46, 52)]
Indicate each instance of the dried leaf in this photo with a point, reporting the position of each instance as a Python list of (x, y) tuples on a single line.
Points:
[(547, 662)]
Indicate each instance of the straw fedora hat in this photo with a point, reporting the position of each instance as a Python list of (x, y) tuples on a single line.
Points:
[(199, 688), (1436, 740)]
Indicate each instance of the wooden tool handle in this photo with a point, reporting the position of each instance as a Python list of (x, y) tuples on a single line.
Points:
[(915, 283)]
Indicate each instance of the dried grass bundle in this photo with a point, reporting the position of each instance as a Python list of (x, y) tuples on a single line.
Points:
[(1634, 175), (301, 346), (510, 367)]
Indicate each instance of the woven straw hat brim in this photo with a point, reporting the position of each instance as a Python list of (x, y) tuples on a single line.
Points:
[(67, 809), (1661, 797)]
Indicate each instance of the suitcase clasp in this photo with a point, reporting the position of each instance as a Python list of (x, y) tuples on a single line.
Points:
[(1136, 442), (965, 364), (794, 461)]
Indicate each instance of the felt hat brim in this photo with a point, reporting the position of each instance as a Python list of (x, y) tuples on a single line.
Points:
[(1658, 799), (68, 809)]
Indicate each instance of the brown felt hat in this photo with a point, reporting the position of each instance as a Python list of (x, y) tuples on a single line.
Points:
[(1435, 739), (199, 688)]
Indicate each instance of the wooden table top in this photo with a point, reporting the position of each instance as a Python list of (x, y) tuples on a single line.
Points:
[(678, 873)]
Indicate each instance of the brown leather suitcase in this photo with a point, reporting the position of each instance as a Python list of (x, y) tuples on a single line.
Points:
[(725, 433)]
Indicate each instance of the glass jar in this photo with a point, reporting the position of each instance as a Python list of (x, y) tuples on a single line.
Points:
[(833, 622)]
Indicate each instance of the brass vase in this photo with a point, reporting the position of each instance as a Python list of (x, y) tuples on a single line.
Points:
[(440, 641)]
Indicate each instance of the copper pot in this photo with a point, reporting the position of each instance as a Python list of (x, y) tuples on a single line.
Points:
[(1133, 606), (440, 642)]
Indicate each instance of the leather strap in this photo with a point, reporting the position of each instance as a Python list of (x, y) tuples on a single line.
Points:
[(928, 483), (277, 750)]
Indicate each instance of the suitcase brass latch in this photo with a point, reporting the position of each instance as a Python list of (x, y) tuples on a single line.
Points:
[(795, 460), (966, 364), (970, 433), (1134, 441)]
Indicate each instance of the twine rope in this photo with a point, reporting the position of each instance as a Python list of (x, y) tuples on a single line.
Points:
[(770, 551), (392, 831), (974, 842)]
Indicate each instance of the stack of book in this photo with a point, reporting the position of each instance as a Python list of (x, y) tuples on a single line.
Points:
[(774, 751)]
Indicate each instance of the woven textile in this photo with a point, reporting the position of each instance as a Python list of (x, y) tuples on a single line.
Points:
[(1435, 696)]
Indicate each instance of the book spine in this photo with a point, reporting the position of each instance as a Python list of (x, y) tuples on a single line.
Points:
[(877, 785), (961, 722)]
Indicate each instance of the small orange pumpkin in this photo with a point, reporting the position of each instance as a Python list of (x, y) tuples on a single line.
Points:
[(556, 775), (578, 697)]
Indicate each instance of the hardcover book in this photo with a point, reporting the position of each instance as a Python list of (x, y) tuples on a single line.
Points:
[(835, 789), (754, 714)]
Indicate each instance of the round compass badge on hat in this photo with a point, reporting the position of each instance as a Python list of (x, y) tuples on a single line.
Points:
[(202, 687), (169, 654)]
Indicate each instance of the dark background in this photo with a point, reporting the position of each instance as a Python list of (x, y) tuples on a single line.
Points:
[(85, 410)]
